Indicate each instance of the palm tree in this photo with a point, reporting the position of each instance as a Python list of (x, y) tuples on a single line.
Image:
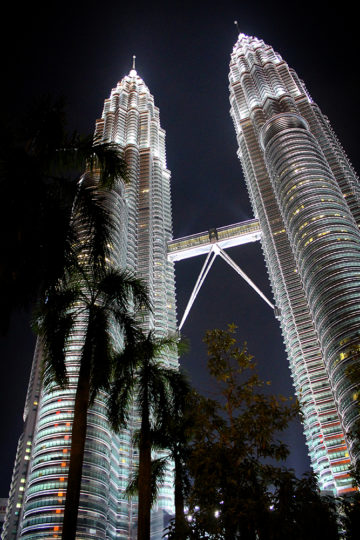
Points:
[(141, 373), (95, 300)]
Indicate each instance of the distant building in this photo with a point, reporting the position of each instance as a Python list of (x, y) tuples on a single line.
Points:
[(306, 196), (142, 212)]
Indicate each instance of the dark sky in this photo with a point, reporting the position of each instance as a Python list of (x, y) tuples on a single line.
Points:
[(81, 50)]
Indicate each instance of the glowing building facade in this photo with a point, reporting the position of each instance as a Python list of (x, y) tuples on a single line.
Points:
[(142, 214), (306, 196)]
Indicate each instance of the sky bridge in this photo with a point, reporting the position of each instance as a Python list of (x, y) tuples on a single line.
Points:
[(212, 243), (225, 237)]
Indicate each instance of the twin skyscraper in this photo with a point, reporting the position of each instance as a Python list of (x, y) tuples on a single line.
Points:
[(306, 198)]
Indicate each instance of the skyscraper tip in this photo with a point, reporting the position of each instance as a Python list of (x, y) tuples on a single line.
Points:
[(133, 72)]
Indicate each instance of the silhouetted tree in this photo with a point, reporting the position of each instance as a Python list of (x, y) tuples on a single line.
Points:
[(40, 165), (142, 375)]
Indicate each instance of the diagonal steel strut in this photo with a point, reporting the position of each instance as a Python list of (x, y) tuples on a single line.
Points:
[(241, 273), (200, 280), (217, 250)]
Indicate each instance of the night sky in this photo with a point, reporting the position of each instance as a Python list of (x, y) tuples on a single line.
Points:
[(80, 50)]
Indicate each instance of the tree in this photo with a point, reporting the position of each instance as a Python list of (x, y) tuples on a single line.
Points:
[(300, 511), (92, 302), (40, 165), (142, 374), (234, 438)]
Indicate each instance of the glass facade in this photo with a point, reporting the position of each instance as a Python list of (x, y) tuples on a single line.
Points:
[(306, 197)]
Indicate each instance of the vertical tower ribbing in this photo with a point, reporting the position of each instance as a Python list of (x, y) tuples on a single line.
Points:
[(306, 196)]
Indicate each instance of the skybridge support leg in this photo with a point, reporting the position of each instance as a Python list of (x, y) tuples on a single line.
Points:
[(203, 273), (241, 273), (217, 250)]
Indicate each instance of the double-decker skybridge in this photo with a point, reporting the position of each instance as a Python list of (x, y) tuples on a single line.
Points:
[(214, 242)]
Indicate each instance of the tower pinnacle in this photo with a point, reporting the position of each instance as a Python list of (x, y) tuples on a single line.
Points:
[(133, 72)]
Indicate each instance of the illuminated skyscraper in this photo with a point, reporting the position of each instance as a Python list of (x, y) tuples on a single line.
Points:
[(306, 196), (142, 213)]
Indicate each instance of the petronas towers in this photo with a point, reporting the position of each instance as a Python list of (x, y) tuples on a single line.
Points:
[(306, 198)]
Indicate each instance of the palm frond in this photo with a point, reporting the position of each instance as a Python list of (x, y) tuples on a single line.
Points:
[(119, 402), (130, 327), (159, 348), (139, 293), (70, 156), (122, 387), (132, 489), (54, 322), (54, 346), (101, 350), (124, 289), (107, 158), (158, 471), (180, 389), (93, 223)]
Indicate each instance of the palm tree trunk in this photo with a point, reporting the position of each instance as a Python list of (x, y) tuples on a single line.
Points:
[(180, 523), (144, 476), (78, 436)]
